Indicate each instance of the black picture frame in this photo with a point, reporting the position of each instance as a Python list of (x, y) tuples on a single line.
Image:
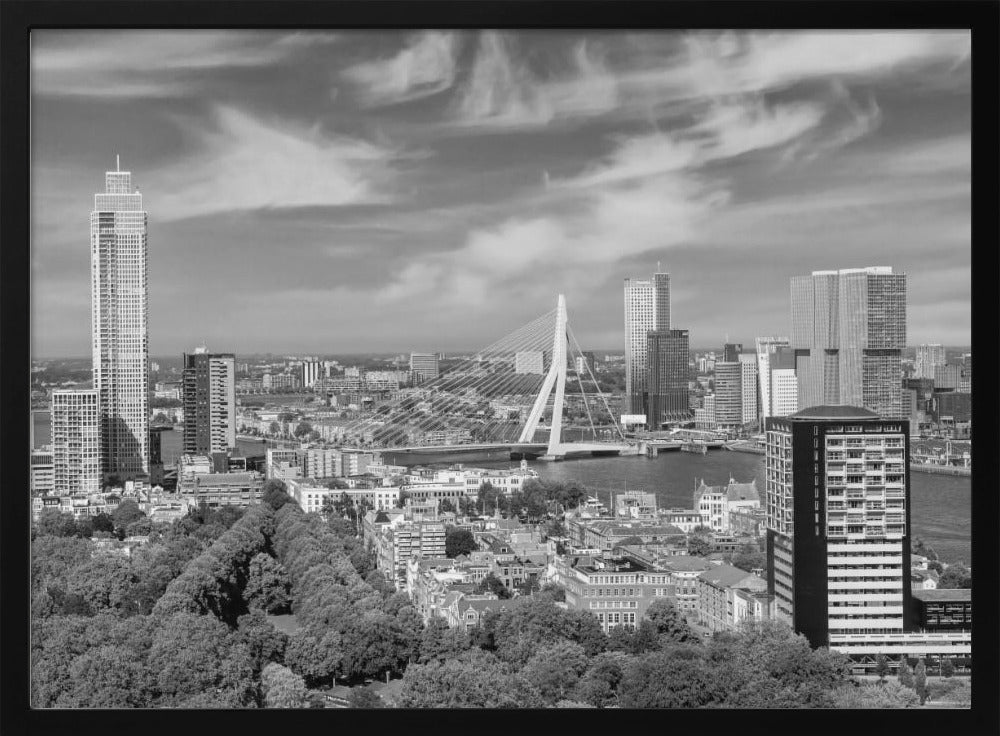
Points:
[(18, 18)]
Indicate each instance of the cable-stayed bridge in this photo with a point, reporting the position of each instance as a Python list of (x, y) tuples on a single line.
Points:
[(510, 396)]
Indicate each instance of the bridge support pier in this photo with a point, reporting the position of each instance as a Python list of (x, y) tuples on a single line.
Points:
[(554, 379)]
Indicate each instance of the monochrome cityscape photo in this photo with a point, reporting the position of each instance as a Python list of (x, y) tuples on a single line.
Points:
[(380, 369)]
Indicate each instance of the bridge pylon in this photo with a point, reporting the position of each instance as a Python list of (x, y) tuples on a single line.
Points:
[(555, 379)]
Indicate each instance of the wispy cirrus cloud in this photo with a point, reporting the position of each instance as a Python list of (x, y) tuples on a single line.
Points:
[(621, 209), (724, 130), (501, 92), (424, 67), (242, 162), (159, 63), (759, 62), (720, 64)]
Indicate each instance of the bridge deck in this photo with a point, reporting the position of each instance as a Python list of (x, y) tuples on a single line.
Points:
[(531, 448)]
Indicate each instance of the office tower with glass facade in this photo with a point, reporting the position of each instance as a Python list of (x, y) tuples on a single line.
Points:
[(668, 353), (849, 331), (209, 386), (118, 251), (647, 308), (76, 442), (748, 379), (729, 388), (765, 347), (947, 376), (731, 352), (838, 523), (424, 366)]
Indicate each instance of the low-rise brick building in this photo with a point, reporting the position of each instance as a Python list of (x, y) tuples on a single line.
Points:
[(616, 591)]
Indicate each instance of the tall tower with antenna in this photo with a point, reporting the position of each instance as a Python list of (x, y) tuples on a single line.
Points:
[(119, 334)]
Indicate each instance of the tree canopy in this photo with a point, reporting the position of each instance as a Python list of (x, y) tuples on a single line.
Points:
[(459, 542), (955, 576)]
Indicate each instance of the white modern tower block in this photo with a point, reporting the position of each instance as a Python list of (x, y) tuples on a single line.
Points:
[(555, 378), (647, 307), (120, 348)]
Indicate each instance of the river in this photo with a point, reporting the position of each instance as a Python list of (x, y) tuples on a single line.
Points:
[(941, 504)]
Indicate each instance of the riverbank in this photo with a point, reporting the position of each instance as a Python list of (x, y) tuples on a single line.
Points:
[(941, 469)]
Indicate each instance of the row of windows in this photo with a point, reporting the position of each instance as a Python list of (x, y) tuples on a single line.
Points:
[(603, 592), (614, 604), (886, 603), (616, 618), (612, 579)]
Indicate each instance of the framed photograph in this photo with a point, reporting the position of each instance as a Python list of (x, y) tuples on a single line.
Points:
[(411, 359)]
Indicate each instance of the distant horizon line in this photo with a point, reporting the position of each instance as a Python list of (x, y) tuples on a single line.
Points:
[(292, 354)]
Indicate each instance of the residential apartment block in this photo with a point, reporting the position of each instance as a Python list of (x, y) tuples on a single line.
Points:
[(715, 503), (209, 395), (222, 489), (838, 516), (396, 537), (727, 594), (76, 442), (43, 476)]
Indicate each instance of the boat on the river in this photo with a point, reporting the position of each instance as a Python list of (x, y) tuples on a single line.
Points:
[(594, 506)]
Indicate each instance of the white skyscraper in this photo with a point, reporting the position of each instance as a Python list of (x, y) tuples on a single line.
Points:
[(748, 366), (647, 307), (118, 252), (766, 346), (311, 372), (784, 392), (76, 441), (929, 357)]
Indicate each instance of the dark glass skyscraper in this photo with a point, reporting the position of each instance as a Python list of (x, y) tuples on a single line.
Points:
[(667, 353)]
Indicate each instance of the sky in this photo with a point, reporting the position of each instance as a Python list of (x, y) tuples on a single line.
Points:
[(350, 192)]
